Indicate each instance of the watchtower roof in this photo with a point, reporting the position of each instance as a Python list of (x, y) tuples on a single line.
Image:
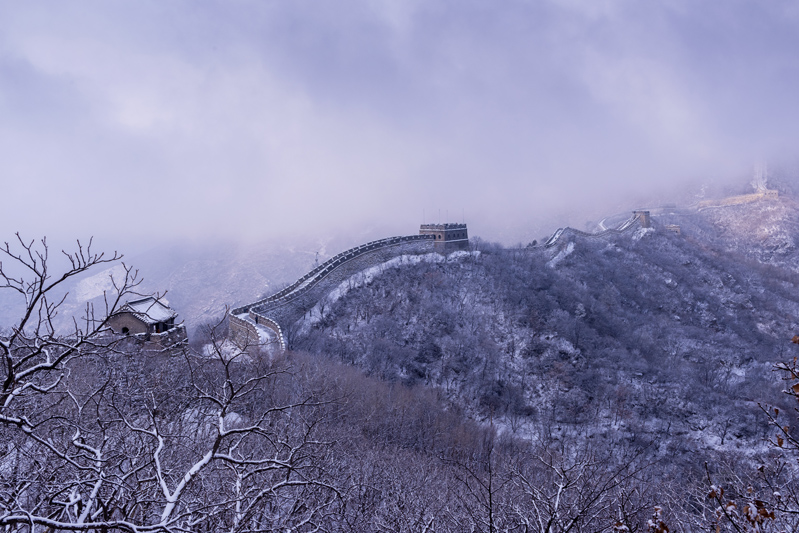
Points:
[(149, 310), (446, 226)]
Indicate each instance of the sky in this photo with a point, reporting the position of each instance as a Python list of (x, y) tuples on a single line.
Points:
[(155, 122)]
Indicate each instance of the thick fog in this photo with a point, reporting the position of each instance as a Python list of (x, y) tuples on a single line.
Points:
[(150, 122)]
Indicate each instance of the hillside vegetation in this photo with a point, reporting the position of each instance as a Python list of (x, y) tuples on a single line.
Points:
[(621, 383), (650, 335)]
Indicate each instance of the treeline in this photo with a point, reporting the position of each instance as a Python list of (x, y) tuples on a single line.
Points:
[(656, 341), (224, 441), (100, 434)]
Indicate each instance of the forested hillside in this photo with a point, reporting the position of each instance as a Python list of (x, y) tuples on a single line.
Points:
[(625, 383), (651, 336)]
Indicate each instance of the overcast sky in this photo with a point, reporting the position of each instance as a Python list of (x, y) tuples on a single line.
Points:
[(174, 119)]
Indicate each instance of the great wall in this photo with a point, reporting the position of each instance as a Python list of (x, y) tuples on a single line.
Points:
[(272, 319), (642, 217)]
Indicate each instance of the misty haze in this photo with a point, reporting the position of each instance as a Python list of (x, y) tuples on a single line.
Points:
[(379, 265)]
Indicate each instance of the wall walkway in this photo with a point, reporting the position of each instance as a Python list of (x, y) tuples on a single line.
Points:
[(276, 314), (623, 227)]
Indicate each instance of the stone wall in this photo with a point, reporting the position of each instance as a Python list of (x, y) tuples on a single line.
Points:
[(282, 310), (126, 320), (629, 223), (448, 237), (247, 329), (739, 200), (323, 269), (242, 331), (158, 341), (176, 335), (643, 218)]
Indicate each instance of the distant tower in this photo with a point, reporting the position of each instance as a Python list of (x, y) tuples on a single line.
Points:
[(643, 218), (448, 237)]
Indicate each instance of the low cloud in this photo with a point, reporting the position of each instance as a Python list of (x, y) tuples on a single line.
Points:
[(150, 122)]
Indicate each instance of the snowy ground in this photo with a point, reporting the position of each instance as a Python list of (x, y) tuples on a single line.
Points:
[(366, 276)]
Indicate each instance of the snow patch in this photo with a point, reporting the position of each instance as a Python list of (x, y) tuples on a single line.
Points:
[(563, 254), (461, 254), (366, 276), (764, 328), (94, 286), (642, 232)]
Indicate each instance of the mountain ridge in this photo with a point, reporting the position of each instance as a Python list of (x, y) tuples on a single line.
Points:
[(654, 333)]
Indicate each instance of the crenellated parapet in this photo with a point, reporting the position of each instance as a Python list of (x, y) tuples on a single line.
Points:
[(639, 217), (448, 237), (271, 319), (762, 194)]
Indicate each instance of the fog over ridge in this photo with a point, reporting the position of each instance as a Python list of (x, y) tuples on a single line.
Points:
[(148, 122)]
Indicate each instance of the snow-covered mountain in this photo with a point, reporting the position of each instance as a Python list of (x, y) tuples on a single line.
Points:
[(563, 388), (649, 335)]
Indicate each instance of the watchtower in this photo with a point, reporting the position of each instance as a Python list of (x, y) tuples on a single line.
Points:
[(448, 237), (643, 218), (150, 321)]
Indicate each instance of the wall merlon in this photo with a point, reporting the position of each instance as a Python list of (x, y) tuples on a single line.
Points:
[(288, 305)]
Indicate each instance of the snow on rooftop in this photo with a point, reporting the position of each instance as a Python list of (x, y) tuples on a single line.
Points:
[(149, 310)]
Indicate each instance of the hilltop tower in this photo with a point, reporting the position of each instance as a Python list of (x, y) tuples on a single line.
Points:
[(643, 218), (448, 237)]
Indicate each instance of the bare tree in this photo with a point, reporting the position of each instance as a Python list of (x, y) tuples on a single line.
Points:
[(34, 347), (36, 360), (94, 436), (575, 488)]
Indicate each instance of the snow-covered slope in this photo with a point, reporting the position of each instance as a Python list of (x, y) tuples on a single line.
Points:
[(655, 336)]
